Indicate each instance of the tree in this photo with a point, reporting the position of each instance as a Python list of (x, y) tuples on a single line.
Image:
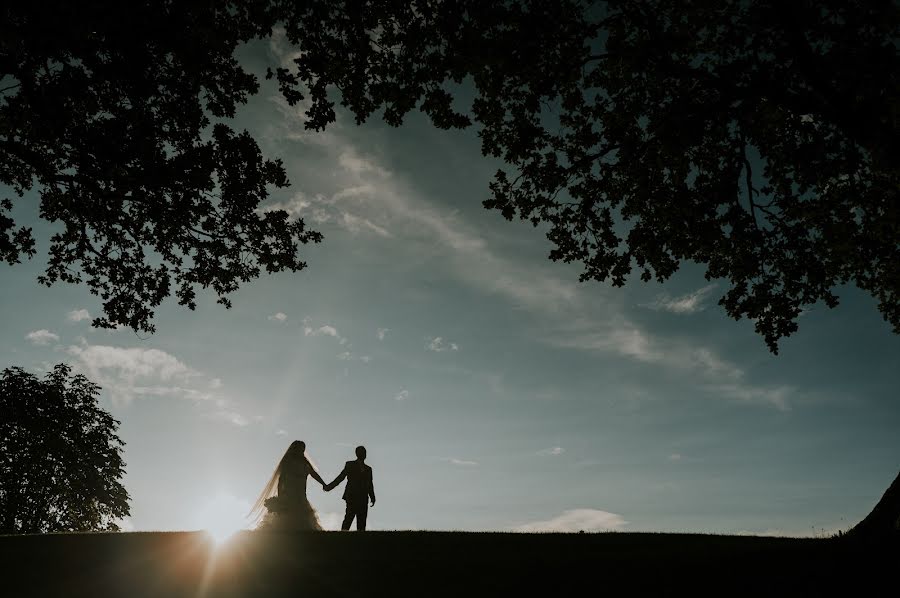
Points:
[(116, 111), (60, 457), (757, 138), (883, 523)]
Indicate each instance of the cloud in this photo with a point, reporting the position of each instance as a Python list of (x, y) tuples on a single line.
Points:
[(351, 160), (130, 363), (127, 373), (357, 224), (777, 396), (280, 317), (576, 520), (716, 375), (365, 359), (381, 333), (438, 344), (345, 356), (42, 337), (685, 304), (402, 395), (176, 392), (295, 206), (461, 462), (321, 209), (586, 320), (675, 457), (281, 432), (553, 451), (77, 315), (326, 330), (232, 417)]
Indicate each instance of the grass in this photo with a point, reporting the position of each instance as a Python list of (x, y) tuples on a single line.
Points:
[(164, 564)]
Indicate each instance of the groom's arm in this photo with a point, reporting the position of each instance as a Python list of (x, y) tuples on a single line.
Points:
[(338, 479)]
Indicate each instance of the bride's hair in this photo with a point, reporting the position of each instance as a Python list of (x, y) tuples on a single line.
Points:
[(297, 449)]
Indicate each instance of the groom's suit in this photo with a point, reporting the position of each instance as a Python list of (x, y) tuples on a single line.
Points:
[(357, 493)]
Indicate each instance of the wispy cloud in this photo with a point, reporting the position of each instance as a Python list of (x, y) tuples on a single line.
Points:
[(174, 392), (777, 396), (618, 335), (438, 345), (278, 317), (321, 209), (381, 333), (685, 304), (552, 451), (42, 337), (232, 417), (461, 462), (675, 457), (357, 224), (77, 315), (593, 320), (351, 160), (402, 395), (576, 520)]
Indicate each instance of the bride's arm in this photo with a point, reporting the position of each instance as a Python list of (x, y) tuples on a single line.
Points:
[(315, 475), (337, 480)]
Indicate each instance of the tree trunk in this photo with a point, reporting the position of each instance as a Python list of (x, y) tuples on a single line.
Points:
[(884, 521)]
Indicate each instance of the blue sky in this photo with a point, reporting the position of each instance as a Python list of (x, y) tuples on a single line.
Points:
[(493, 391)]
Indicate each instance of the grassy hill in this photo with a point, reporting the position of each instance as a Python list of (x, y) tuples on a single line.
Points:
[(437, 564)]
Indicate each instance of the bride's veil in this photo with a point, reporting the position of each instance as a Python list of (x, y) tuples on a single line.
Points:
[(258, 511)]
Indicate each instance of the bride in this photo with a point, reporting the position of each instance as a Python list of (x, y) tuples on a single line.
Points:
[(282, 505)]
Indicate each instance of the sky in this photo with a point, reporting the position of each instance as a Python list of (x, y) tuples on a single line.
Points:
[(492, 390)]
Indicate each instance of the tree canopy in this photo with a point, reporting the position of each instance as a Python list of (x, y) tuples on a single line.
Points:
[(60, 458), (758, 138), (117, 113)]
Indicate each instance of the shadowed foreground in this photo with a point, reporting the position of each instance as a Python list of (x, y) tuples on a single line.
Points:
[(435, 563)]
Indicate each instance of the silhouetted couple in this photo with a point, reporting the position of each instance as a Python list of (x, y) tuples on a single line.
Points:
[(283, 505)]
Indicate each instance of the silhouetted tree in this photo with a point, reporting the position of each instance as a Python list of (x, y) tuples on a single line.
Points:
[(758, 138), (60, 457), (883, 523), (114, 111)]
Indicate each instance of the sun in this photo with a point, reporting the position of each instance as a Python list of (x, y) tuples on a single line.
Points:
[(222, 516)]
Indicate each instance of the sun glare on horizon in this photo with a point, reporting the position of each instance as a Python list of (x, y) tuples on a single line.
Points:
[(222, 516)]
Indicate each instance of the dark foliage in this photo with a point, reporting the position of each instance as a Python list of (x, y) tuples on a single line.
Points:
[(883, 523), (115, 110), (60, 457), (758, 138)]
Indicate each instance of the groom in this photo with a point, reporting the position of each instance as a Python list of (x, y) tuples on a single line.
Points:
[(359, 489)]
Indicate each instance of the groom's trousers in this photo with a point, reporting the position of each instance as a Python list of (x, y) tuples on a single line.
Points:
[(358, 510)]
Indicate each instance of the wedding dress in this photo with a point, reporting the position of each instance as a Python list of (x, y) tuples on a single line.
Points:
[(282, 505)]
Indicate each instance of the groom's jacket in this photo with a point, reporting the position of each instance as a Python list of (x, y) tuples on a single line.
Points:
[(359, 482)]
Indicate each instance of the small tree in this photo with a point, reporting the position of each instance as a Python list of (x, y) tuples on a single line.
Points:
[(60, 457)]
